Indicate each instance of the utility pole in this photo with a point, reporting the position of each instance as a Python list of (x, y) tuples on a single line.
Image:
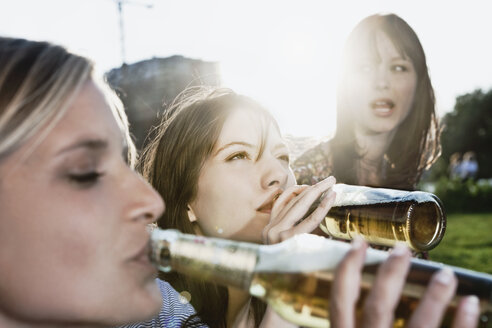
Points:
[(120, 4)]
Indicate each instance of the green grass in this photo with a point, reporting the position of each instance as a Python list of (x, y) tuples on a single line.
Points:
[(467, 242)]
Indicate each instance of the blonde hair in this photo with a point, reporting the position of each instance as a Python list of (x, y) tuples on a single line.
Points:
[(38, 82)]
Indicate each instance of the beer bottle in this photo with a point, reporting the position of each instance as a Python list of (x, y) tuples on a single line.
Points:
[(294, 277), (385, 216)]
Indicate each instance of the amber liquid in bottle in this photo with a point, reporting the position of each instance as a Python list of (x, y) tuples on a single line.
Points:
[(302, 297), (385, 216), (295, 276)]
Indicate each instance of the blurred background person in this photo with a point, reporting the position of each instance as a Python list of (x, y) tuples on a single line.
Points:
[(455, 166), (387, 132), (469, 166)]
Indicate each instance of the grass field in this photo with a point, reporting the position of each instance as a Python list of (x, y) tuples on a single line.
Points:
[(467, 242)]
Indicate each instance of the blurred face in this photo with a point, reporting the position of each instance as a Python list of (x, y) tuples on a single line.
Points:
[(381, 89), (237, 184), (73, 225)]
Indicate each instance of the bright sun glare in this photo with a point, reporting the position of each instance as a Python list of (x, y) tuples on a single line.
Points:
[(295, 80), (285, 54)]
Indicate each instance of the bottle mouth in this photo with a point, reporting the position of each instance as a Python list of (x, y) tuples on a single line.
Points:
[(160, 243), (427, 226)]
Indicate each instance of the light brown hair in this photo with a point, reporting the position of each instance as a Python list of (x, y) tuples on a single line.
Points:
[(172, 163)]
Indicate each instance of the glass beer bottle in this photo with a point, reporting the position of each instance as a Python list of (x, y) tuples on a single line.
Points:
[(294, 277), (385, 216)]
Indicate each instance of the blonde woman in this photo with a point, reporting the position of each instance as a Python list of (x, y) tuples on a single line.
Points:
[(73, 239)]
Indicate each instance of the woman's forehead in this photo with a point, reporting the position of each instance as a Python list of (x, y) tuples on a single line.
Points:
[(372, 45), (248, 124), (89, 117)]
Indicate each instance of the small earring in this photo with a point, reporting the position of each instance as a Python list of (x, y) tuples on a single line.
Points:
[(191, 215)]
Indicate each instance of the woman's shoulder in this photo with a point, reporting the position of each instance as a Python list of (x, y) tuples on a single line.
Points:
[(174, 312)]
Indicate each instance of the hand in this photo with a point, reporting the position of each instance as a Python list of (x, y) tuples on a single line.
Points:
[(380, 304), (292, 205)]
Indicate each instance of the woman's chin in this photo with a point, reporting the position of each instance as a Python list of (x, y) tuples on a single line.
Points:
[(149, 305)]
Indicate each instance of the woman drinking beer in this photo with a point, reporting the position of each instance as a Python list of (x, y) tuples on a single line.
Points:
[(222, 167), (73, 237)]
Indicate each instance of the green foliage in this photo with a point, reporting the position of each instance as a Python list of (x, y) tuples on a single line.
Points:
[(464, 196), (467, 242), (468, 128), (438, 170)]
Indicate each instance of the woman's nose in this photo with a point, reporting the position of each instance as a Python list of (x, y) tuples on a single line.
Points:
[(381, 78), (275, 173), (148, 205)]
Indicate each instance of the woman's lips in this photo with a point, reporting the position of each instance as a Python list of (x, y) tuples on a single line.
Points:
[(267, 206), (266, 209), (383, 107), (143, 257)]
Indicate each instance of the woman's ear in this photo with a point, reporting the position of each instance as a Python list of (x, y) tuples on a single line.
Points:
[(191, 214), (194, 222)]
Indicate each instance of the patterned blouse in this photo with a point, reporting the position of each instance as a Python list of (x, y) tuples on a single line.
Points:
[(174, 312)]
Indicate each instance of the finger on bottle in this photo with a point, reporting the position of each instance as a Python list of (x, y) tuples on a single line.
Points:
[(328, 181), (283, 200), (433, 304), (467, 313), (385, 294), (328, 199), (346, 285)]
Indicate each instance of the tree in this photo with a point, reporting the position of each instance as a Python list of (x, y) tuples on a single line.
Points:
[(469, 128)]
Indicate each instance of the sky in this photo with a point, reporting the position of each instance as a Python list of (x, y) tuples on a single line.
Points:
[(283, 53)]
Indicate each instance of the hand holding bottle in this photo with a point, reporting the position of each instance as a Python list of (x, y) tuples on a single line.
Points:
[(300, 279), (291, 207), (380, 303)]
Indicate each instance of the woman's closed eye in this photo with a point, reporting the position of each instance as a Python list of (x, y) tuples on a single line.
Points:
[(86, 179)]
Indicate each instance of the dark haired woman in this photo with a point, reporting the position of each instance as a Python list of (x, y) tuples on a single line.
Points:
[(387, 132)]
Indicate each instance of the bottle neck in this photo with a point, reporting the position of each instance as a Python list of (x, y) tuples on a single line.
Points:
[(219, 261)]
